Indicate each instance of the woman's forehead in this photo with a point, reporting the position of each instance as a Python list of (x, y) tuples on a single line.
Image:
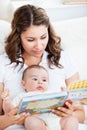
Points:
[(36, 30)]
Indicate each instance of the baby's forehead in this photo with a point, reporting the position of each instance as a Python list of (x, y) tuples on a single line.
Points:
[(37, 72)]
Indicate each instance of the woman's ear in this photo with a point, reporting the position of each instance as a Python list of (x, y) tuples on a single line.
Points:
[(23, 83)]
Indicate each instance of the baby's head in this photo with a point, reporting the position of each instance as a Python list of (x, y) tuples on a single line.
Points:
[(35, 78)]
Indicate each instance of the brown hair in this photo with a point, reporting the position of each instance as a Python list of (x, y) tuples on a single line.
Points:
[(24, 17), (31, 67)]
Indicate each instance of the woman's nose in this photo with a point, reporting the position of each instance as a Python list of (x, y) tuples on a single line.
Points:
[(39, 44)]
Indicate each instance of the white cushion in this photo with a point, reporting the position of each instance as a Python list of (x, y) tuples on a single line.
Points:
[(74, 38), (6, 10), (5, 29)]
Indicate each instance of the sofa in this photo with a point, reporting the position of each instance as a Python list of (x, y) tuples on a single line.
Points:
[(73, 34)]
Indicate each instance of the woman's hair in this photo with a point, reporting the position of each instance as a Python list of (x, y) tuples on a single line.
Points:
[(24, 17)]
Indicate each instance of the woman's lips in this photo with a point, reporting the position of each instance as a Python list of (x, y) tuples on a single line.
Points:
[(38, 52)]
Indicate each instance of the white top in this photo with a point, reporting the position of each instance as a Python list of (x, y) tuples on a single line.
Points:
[(16, 101), (11, 76)]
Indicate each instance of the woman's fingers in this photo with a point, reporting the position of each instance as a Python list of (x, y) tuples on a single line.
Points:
[(17, 118), (22, 118), (64, 111), (69, 105), (59, 113), (13, 112)]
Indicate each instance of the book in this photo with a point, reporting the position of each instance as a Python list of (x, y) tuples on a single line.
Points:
[(78, 96), (78, 92), (43, 102)]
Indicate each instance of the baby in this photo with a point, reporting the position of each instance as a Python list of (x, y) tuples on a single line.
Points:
[(35, 79)]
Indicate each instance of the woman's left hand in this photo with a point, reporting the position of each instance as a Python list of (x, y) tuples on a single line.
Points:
[(64, 111)]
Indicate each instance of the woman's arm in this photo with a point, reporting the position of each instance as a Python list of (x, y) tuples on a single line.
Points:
[(79, 112), (72, 79), (1, 90)]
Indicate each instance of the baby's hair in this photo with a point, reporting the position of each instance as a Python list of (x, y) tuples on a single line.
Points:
[(31, 67)]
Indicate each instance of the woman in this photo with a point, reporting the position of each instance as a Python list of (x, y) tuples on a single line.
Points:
[(33, 41)]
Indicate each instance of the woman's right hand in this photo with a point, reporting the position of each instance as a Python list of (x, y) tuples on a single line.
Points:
[(12, 118), (17, 118)]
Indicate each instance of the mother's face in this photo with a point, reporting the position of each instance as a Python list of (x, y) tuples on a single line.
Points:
[(34, 40)]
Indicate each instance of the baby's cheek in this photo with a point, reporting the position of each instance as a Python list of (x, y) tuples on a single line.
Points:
[(33, 85)]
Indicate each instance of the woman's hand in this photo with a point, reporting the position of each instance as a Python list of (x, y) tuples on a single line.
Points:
[(64, 111), (12, 118), (71, 110), (17, 118)]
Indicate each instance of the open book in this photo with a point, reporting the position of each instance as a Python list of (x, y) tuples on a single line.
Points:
[(78, 96), (42, 102), (78, 92)]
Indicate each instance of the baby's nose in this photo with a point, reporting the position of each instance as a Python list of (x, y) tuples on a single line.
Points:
[(40, 81)]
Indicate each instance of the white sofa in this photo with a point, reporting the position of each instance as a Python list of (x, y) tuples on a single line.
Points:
[(74, 38)]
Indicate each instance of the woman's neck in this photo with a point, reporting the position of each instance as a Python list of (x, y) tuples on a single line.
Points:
[(30, 60)]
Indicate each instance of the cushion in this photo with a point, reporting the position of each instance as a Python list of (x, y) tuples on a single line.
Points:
[(5, 29), (73, 33), (6, 10)]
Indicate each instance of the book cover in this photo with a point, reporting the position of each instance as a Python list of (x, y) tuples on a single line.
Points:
[(78, 96), (43, 102)]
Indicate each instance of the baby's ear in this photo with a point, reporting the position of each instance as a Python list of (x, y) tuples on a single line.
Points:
[(23, 83)]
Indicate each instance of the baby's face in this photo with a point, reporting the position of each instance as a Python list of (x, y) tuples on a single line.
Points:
[(36, 80)]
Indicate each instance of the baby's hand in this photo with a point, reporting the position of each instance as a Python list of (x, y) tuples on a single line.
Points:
[(7, 104), (5, 95)]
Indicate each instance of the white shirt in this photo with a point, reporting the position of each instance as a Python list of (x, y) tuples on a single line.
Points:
[(11, 76)]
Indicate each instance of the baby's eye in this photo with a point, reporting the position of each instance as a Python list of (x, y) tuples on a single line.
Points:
[(44, 80), (35, 79)]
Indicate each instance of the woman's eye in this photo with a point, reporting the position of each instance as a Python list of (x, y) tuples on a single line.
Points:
[(30, 40)]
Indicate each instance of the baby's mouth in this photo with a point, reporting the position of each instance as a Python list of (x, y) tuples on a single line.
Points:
[(39, 88)]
